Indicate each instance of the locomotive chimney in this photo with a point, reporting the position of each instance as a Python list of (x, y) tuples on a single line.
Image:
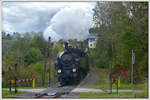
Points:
[(49, 38)]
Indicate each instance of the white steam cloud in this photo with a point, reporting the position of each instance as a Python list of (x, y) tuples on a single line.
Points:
[(60, 20), (71, 22)]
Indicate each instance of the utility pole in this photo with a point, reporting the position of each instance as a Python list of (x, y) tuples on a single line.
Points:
[(44, 71), (110, 75), (47, 57), (110, 78), (49, 41), (10, 78), (43, 78)]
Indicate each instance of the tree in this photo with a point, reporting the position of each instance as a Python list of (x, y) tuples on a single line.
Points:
[(125, 26), (39, 42), (57, 48), (33, 55)]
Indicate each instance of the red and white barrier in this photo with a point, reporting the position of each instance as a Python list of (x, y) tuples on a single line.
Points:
[(21, 81), (25, 80)]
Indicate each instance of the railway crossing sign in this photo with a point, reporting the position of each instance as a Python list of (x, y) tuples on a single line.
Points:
[(133, 57)]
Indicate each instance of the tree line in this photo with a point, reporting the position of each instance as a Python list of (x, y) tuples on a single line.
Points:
[(122, 27), (29, 51)]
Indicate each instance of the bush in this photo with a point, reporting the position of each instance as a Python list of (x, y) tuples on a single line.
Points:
[(5, 84), (33, 55), (122, 72)]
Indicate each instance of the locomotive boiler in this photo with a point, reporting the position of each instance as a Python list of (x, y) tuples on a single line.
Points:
[(71, 65)]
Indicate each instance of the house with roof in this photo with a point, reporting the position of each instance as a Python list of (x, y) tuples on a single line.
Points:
[(91, 40)]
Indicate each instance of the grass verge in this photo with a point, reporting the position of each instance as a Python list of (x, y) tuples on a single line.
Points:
[(103, 74), (122, 86), (7, 94), (104, 84), (107, 95)]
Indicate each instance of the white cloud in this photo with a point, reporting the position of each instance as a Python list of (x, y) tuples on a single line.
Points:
[(57, 19), (26, 16)]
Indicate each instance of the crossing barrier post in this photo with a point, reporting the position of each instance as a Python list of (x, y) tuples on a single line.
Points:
[(33, 83)]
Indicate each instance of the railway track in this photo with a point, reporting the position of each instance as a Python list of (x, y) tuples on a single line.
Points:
[(61, 92), (55, 92)]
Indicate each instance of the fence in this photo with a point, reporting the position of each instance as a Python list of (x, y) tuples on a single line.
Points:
[(20, 82)]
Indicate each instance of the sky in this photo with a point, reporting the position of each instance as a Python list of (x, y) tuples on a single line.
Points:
[(60, 20)]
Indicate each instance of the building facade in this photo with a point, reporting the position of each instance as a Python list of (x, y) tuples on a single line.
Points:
[(92, 39)]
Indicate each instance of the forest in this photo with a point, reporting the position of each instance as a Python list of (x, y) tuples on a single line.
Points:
[(121, 27)]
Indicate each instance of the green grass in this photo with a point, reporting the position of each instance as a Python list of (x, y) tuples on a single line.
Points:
[(122, 86), (107, 95), (103, 75), (104, 84), (144, 94), (28, 87), (104, 81), (7, 94)]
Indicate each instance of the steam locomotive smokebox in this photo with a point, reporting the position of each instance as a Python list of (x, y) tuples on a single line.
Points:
[(71, 66)]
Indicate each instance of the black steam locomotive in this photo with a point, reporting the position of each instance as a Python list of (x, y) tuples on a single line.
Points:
[(71, 66)]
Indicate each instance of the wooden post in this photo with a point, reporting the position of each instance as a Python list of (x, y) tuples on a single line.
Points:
[(117, 85), (49, 81), (10, 86), (53, 74), (15, 78), (110, 76)]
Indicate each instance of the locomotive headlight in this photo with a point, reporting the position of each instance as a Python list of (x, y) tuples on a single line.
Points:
[(74, 69), (76, 59), (59, 70)]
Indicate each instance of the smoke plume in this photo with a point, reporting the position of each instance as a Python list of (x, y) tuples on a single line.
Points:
[(70, 22)]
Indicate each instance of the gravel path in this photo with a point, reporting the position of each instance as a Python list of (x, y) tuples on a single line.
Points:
[(69, 88), (90, 79), (100, 90), (29, 90)]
